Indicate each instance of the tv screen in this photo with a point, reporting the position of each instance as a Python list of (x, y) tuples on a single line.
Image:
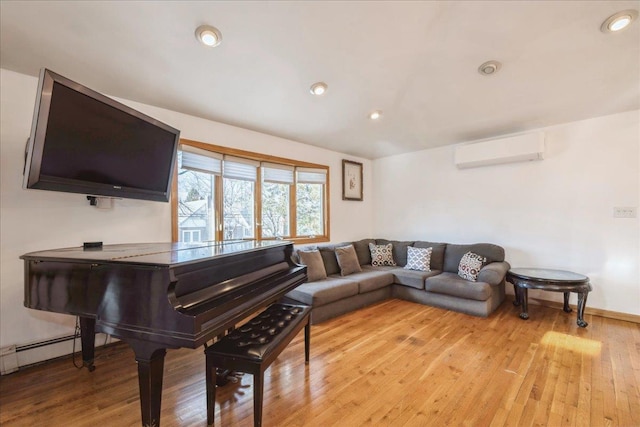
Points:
[(84, 142)]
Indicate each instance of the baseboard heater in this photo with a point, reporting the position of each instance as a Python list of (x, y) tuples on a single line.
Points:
[(25, 347), (511, 149), (19, 356), (10, 361)]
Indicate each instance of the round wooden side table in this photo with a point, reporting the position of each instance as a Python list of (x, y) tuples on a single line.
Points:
[(566, 282)]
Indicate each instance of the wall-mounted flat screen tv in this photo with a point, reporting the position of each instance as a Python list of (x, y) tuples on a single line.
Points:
[(84, 142)]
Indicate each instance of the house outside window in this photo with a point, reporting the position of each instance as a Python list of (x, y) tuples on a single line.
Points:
[(191, 236)]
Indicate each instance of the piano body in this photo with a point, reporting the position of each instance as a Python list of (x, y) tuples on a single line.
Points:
[(159, 295)]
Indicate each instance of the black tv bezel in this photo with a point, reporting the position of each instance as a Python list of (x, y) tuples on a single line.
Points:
[(33, 178)]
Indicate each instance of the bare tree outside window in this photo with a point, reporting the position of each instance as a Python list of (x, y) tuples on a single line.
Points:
[(275, 210), (309, 204), (238, 209)]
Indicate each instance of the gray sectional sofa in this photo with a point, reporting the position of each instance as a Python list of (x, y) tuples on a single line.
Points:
[(441, 287)]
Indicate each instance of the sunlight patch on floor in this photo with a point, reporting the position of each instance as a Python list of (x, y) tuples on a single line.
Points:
[(569, 342)]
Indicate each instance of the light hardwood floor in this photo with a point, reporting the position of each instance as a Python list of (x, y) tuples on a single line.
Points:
[(392, 364)]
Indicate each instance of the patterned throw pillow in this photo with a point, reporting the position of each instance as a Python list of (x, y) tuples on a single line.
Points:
[(470, 266), (418, 258), (381, 254)]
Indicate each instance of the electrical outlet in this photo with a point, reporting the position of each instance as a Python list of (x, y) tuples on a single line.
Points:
[(624, 212)]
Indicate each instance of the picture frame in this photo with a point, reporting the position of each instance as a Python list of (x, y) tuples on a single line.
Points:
[(351, 180)]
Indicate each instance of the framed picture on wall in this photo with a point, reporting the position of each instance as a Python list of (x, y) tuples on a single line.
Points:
[(351, 180)]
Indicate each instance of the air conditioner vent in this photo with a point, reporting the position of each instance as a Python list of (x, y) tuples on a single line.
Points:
[(518, 148)]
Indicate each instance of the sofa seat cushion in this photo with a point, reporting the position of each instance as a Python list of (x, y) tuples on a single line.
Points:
[(324, 291), (454, 285), (372, 279), (379, 267), (412, 278)]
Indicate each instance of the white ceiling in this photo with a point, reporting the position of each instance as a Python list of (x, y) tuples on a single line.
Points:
[(416, 61)]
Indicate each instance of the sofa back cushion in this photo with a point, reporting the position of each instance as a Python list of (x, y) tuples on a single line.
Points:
[(454, 253), (362, 250), (328, 254), (295, 257), (399, 250), (437, 254)]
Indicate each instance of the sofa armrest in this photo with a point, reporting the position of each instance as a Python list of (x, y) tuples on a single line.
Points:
[(494, 273)]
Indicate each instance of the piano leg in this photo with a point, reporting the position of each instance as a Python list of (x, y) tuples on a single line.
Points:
[(88, 339), (150, 358)]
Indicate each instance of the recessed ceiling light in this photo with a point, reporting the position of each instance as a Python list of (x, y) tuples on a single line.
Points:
[(618, 21), (375, 115), (318, 88), (208, 35), (489, 68)]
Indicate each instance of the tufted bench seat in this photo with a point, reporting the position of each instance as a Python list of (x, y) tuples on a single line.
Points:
[(252, 347)]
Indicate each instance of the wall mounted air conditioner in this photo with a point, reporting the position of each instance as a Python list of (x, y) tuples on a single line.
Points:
[(518, 148)]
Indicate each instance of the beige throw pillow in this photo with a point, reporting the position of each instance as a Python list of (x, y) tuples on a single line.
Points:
[(347, 260), (315, 266)]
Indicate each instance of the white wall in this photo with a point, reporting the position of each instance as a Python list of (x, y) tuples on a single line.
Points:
[(555, 213), (32, 220)]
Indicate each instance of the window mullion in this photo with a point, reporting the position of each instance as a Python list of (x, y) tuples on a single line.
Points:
[(258, 206), (219, 208), (293, 216)]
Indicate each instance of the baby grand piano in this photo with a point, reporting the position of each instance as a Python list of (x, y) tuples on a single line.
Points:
[(159, 295)]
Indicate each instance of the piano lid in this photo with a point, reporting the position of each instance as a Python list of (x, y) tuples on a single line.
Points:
[(157, 254)]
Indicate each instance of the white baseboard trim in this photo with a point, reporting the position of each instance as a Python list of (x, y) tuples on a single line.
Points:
[(627, 317)]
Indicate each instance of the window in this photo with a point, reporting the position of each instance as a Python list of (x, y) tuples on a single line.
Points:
[(189, 236), (226, 194), (277, 181), (309, 201), (196, 213), (239, 198)]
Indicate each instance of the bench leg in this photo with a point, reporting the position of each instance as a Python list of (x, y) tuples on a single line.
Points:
[(211, 392), (258, 390), (307, 340)]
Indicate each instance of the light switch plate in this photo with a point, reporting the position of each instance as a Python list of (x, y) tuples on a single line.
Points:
[(624, 212)]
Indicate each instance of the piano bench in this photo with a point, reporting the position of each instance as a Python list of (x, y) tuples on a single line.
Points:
[(252, 347)]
